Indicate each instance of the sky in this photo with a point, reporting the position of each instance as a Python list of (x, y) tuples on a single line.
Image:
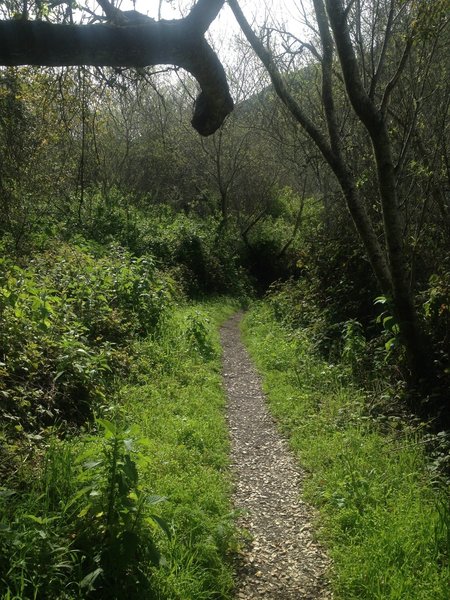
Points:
[(225, 24), (171, 10)]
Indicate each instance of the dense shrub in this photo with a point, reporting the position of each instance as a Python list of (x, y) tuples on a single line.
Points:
[(202, 256), (436, 310), (63, 321)]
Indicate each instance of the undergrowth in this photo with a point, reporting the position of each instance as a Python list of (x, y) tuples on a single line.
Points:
[(177, 399), (384, 512), (65, 318), (135, 505)]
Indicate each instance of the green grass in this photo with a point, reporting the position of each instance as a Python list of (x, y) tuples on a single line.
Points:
[(179, 405), (382, 518), (85, 519)]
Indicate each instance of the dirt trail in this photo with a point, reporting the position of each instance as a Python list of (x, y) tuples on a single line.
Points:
[(281, 561)]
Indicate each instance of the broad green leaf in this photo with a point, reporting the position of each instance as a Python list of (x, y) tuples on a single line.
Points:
[(87, 583), (107, 426)]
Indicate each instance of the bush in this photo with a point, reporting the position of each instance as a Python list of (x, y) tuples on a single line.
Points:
[(63, 321), (203, 257)]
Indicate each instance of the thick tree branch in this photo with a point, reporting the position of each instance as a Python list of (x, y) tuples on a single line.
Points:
[(178, 42), (327, 77), (362, 104), (203, 14)]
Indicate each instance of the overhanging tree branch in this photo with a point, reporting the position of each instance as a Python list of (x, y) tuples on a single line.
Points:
[(177, 42), (203, 14)]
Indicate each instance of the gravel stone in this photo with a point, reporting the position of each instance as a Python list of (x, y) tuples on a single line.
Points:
[(280, 558)]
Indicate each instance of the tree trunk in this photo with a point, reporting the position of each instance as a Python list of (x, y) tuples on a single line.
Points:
[(416, 346)]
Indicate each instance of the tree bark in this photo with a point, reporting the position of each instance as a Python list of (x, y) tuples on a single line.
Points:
[(417, 348), (177, 42)]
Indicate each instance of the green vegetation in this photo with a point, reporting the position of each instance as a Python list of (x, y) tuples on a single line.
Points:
[(383, 503), (139, 504), (65, 319), (120, 225), (179, 405)]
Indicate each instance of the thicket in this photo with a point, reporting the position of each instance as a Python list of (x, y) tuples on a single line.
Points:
[(67, 318), (335, 299), (78, 485)]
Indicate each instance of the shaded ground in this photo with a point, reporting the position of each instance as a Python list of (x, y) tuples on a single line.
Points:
[(281, 560)]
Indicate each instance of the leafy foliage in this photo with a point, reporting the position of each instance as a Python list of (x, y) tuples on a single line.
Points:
[(64, 321), (112, 213)]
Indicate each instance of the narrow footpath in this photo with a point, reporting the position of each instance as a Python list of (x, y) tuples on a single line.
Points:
[(281, 560)]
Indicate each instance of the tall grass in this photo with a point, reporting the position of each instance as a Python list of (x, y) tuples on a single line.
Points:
[(138, 506), (383, 516), (179, 404)]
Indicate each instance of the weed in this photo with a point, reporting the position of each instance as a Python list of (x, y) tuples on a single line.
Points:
[(85, 526), (199, 335), (113, 520)]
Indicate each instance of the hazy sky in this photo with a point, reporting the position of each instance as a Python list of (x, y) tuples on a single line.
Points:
[(177, 7), (258, 10)]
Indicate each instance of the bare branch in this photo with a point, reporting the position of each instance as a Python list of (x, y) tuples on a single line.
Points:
[(387, 37), (279, 84), (393, 82)]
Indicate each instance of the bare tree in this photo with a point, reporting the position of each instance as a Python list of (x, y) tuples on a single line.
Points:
[(368, 90)]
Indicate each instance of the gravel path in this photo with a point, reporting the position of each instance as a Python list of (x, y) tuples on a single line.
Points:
[(281, 560)]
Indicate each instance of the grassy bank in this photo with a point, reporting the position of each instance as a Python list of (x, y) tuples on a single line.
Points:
[(138, 503), (384, 516), (179, 403)]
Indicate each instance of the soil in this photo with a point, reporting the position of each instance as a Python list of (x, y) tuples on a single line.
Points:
[(280, 558)]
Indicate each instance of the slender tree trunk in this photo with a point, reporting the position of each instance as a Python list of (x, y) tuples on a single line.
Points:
[(364, 226), (416, 346), (330, 152)]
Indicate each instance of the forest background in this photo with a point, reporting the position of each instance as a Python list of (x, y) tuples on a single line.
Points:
[(333, 202)]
